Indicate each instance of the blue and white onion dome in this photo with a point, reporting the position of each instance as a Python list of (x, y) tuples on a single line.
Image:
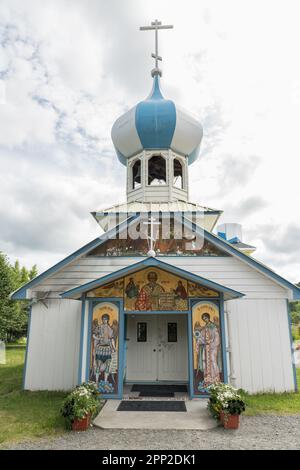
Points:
[(156, 123)]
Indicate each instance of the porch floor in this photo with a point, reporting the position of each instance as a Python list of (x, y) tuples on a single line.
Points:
[(196, 417), (128, 394)]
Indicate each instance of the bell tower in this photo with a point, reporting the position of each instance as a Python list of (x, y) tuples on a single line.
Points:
[(157, 141)]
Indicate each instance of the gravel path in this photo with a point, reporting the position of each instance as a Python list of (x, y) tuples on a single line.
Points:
[(258, 432)]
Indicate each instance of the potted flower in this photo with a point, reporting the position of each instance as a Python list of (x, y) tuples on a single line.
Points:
[(80, 406), (226, 404)]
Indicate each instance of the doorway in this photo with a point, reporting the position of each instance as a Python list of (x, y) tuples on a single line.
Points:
[(156, 348)]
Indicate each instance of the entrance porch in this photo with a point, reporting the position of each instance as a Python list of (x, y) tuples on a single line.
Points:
[(152, 323)]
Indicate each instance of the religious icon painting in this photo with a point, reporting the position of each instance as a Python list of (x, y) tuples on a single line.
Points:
[(113, 289), (155, 289), (207, 348), (104, 347), (196, 290)]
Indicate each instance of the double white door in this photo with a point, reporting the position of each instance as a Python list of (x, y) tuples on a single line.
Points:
[(156, 348)]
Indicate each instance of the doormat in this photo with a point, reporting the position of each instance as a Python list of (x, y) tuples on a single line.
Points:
[(167, 388), (154, 405), (157, 393)]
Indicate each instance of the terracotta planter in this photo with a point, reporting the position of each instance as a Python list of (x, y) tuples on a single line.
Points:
[(229, 421), (81, 424)]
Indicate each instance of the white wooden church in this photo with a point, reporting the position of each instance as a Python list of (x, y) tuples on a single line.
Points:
[(164, 295)]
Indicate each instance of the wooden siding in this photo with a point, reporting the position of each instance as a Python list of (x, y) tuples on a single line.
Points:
[(53, 348), (227, 271), (260, 344)]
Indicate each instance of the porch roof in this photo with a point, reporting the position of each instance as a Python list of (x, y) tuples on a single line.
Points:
[(77, 292)]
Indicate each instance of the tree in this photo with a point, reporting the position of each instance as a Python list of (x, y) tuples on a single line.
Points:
[(13, 315)]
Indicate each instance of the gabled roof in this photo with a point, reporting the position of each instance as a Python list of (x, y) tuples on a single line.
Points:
[(20, 294), (229, 248), (77, 292)]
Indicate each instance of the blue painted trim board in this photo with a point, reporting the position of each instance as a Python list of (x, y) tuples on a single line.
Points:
[(190, 353), (27, 347), (223, 340), (292, 346), (79, 378)]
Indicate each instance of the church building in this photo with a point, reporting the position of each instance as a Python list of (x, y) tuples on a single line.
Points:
[(164, 295)]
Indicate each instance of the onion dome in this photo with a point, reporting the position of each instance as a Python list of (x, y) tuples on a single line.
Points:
[(156, 123)]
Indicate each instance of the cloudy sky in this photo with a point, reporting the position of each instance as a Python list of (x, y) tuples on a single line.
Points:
[(69, 68)]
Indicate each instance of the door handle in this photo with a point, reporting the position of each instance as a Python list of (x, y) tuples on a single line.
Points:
[(154, 350)]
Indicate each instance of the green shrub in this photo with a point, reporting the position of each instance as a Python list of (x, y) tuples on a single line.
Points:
[(82, 401), (224, 397)]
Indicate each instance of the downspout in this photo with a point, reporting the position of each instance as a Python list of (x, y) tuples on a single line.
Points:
[(232, 376)]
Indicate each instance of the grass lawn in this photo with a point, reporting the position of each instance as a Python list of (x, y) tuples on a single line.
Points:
[(25, 415), (274, 403)]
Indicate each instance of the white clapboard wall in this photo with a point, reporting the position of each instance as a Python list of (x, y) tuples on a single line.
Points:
[(228, 271), (53, 346), (260, 343)]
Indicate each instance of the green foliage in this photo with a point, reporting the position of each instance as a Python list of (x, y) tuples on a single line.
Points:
[(235, 407), (24, 414), (82, 401), (273, 403), (295, 312), (13, 315), (224, 397)]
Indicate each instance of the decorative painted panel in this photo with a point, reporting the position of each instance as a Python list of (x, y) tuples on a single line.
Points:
[(171, 239), (155, 289), (104, 347), (195, 290), (207, 350), (113, 289)]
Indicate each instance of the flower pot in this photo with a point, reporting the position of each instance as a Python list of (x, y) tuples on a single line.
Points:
[(229, 421), (81, 424)]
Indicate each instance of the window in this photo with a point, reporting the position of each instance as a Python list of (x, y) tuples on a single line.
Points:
[(141, 332), (157, 170), (172, 332), (178, 175), (136, 175)]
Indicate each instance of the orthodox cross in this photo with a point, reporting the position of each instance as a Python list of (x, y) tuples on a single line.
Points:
[(152, 238), (156, 25)]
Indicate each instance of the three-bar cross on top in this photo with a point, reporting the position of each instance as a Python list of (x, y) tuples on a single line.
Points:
[(156, 25)]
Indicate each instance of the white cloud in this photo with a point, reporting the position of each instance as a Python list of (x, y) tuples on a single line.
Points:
[(72, 67)]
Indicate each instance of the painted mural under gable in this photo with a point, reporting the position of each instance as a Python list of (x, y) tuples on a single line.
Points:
[(153, 289)]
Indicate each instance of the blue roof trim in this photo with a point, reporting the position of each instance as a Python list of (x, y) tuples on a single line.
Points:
[(20, 294), (146, 263), (155, 120), (226, 246)]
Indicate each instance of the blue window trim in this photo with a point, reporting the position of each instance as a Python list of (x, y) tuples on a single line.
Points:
[(119, 303), (292, 346), (27, 347), (147, 263)]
